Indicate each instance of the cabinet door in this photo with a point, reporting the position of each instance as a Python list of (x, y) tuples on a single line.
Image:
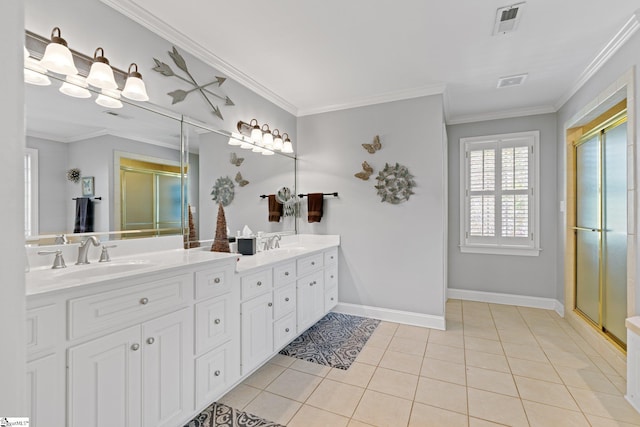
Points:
[(215, 323), (310, 299), (215, 372), (104, 381), (46, 407), (167, 394), (257, 331)]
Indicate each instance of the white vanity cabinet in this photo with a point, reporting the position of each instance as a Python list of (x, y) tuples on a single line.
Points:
[(139, 376), (310, 290)]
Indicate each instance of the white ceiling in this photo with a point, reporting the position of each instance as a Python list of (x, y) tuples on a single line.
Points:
[(311, 57)]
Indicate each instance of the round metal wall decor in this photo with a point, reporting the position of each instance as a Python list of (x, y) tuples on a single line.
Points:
[(223, 191), (395, 184)]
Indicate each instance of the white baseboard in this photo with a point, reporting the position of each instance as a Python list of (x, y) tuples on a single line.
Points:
[(390, 315), (509, 299)]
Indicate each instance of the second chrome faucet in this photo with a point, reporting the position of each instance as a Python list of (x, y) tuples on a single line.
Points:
[(83, 249)]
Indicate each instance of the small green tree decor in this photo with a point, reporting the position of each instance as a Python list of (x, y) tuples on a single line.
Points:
[(221, 241)]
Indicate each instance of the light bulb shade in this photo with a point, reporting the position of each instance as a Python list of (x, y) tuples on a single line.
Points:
[(287, 147), (75, 86), (235, 139), (277, 140), (109, 98), (267, 139), (256, 135), (101, 74), (57, 56), (134, 87), (35, 78)]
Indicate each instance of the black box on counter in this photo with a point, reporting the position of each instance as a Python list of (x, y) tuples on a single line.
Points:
[(246, 245)]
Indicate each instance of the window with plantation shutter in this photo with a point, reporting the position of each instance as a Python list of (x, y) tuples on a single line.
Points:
[(499, 194)]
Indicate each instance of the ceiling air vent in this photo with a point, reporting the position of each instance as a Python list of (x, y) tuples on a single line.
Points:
[(511, 81), (508, 18)]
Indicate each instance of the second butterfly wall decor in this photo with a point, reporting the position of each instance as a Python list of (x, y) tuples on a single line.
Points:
[(394, 183)]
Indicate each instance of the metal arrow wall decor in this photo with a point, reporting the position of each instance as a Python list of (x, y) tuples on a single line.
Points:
[(180, 95)]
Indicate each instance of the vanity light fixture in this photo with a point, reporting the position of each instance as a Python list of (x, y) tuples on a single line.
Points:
[(256, 133), (287, 147), (277, 140), (101, 74), (57, 56), (267, 138), (34, 73), (75, 86), (109, 98), (134, 87)]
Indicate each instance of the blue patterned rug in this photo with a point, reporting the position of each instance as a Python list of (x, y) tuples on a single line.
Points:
[(335, 340), (219, 415)]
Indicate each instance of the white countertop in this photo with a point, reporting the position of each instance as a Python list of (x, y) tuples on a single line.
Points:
[(43, 280)]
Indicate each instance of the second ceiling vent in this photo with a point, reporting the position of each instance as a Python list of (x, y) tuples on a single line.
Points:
[(508, 18)]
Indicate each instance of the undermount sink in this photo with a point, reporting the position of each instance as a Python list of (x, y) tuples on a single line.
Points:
[(103, 269)]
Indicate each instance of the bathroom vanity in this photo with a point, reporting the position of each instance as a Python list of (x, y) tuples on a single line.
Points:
[(152, 339)]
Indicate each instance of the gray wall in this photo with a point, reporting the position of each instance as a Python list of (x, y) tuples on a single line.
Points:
[(12, 255), (52, 189), (627, 57), (519, 275), (392, 255)]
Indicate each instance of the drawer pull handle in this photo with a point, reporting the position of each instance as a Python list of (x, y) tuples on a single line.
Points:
[(259, 283), (217, 321), (135, 347), (313, 263), (331, 298), (144, 301), (217, 373), (286, 273), (332, 276), (150, 340), (287, 299), (312, 283), (270, 304), (286, 330), (216, 280)]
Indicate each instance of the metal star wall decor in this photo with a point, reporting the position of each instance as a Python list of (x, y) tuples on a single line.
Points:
[(180, 95)]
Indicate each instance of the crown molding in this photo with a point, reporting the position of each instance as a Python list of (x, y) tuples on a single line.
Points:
[(131, 10), (622, 36), (506, 114), (435, 89)]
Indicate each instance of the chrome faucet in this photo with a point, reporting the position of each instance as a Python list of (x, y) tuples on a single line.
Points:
[(83, 249), (272, 242)]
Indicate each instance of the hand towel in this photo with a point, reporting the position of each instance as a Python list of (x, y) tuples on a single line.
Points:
[(84, 215), (275, 209), (314, 206)]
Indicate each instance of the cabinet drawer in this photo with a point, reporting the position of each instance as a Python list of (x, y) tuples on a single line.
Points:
[(330, 298), (331, 277), (309, 263), (255, 283), (41, 329), (283, 274), (331, 257), (214, 374), (284, 300), (284, 330), (213, 323), (123, 306), (213, 282)]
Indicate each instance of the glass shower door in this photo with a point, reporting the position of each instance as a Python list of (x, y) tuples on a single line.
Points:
[(614, 238), (588, 229)]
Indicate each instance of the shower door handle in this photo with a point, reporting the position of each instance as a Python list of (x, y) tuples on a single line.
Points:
[(598, 230)]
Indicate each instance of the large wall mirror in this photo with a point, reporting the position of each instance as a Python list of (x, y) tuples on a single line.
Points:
[(129, 162)]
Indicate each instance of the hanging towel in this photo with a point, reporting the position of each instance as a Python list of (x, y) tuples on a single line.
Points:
[(314, 206), (275, 209), (84, 215)]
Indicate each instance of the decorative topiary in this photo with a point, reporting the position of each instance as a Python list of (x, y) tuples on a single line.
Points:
[(221, 241), (191, 241)]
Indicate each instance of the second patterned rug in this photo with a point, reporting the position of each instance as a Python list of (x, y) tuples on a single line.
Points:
[(335, 340)]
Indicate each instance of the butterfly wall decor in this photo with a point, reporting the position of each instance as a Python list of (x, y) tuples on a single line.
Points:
[(374, 146), (235, 160), (241, 181), (367, 170)]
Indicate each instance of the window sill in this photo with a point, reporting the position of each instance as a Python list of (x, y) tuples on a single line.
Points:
[(494, 250)]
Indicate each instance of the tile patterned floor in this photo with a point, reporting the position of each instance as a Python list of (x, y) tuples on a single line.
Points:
[(495, 365)]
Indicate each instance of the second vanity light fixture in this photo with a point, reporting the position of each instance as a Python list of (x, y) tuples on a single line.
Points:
[(260, 139), (59, 59)]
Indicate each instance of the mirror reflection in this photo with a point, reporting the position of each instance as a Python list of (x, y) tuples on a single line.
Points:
[(89, 168), (243, 174)]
